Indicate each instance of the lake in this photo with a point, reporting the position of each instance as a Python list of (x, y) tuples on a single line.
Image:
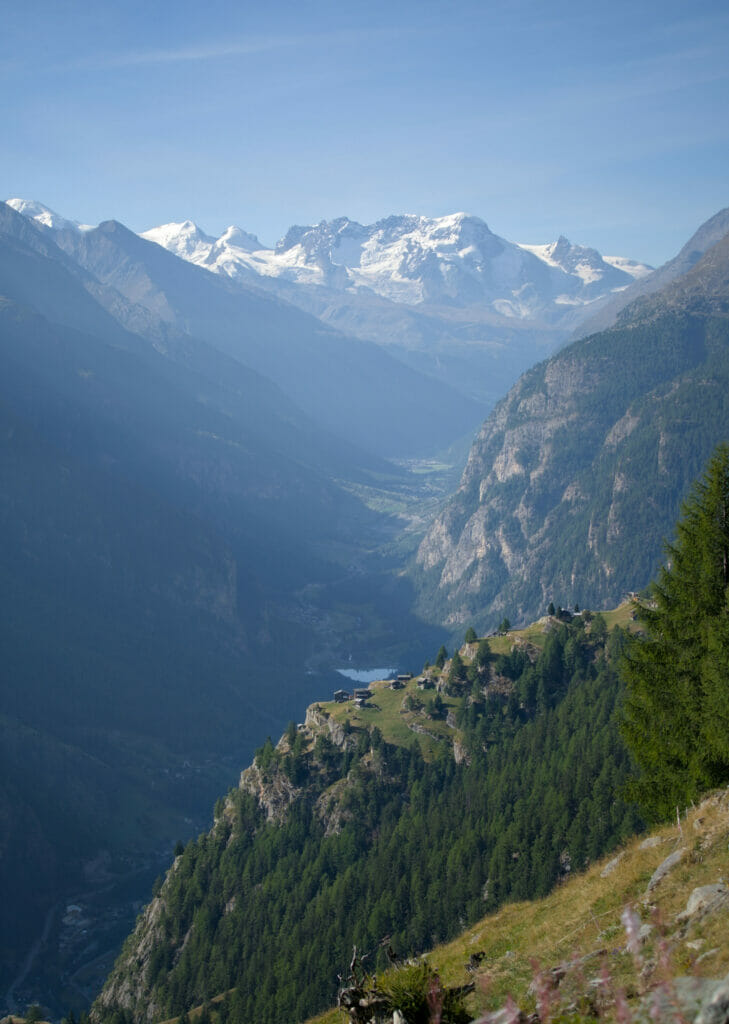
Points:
[(367, 675)]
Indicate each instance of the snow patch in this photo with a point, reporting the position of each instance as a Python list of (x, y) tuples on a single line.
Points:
[(633, 267)]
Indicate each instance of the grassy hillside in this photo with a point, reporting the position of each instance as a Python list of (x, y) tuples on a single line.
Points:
[(578, 928), (394, 714)]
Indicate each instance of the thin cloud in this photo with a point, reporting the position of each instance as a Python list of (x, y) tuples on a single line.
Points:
[(227, 48)]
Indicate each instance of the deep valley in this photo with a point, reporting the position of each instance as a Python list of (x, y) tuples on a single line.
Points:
[(218, 488)]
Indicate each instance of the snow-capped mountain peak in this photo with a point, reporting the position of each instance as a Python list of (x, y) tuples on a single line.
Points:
[(413, 260), (240, 239), (185, 239), (595, 271), (408, 259), (36, 211), (586, 263)]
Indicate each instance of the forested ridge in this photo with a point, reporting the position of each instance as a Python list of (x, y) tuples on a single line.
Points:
[(378, 843)]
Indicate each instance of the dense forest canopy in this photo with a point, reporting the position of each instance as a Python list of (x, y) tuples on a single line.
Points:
[(380, 842)]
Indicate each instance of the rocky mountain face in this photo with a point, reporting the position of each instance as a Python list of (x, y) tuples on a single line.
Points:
[(271, 797), (575, 479)]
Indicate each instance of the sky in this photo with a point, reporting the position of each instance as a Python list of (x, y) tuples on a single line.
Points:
[(608, 123)]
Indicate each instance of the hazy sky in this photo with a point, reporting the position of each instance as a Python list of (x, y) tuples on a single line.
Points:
[(605, 122)]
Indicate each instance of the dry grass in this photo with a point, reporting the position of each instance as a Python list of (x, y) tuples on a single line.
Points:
[(537, 632), (582, 918), (387, 713)]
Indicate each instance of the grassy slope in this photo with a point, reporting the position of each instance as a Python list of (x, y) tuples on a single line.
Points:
[(386, 710), (582, 917)]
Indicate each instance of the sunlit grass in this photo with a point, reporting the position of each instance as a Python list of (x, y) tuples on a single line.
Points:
[(582, 918)]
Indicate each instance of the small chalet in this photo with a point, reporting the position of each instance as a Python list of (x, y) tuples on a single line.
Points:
[(362, 693), (341, 696)]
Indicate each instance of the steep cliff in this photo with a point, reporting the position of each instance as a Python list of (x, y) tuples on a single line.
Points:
[(575, 480)]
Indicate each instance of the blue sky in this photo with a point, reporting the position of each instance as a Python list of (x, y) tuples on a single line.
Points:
[(608, 123)]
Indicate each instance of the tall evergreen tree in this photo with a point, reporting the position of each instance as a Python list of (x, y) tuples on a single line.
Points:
[(677, 704), (457, 670)]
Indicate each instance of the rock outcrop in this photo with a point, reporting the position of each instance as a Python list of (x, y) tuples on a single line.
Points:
[(587, 453)]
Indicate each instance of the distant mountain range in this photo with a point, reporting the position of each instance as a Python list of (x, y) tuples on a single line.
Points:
[(576, 477), (453, 260), (351, 388), (445, 295)]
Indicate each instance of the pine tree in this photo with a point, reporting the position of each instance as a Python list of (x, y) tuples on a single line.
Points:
[(457, 670), (716, 690), (677, 705), (483, 655)]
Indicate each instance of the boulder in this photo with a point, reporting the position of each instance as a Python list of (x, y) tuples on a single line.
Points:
[(704, 900), (611, 865), (715, 1010), (665, 867)]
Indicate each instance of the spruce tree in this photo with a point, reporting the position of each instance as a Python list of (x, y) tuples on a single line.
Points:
[(677, 703), (716, 691), (483, 655), (457, 670)]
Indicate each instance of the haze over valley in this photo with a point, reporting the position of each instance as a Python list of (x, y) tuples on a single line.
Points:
[(340, 342), (206, 482)]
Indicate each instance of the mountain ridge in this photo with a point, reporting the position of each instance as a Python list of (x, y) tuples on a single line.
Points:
[(590, 449), (706, 236), (347, 385), (168, 514), (445, 296), (415, 260)]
